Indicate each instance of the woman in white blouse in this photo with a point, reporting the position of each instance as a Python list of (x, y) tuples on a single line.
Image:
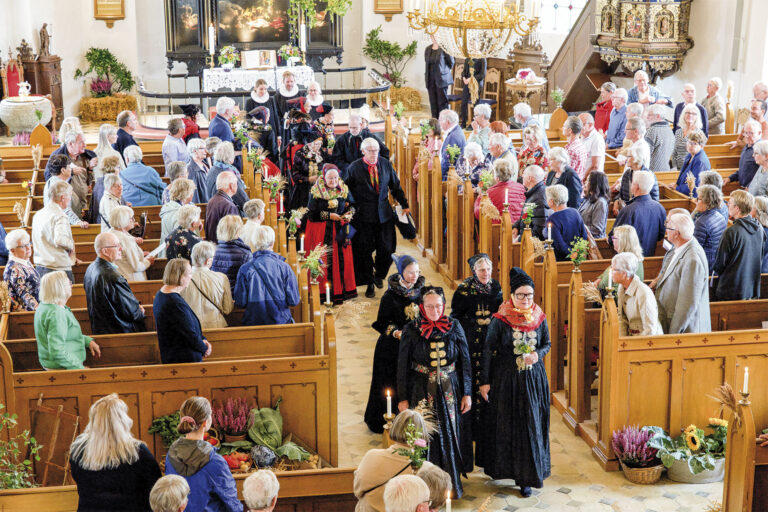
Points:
[(135, 262), (107, 137), (638, 312), (208, 294)]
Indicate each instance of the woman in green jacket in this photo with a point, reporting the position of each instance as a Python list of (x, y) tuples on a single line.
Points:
[(60, 341)]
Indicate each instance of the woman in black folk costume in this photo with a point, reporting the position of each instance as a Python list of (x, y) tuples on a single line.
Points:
[(262, 132), (516, 437), (286, 92), (322, 116), (305, 171), (433, 365), (474, 301), (260, 98), (399, 305), (330, 210)]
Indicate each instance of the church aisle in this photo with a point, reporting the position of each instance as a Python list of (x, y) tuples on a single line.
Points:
[(577, 482)]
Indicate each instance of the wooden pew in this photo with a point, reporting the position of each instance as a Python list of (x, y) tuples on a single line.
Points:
[(745, 487)]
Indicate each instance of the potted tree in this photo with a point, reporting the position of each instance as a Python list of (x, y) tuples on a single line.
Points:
[(639, 462), (108, 88), (393, 58)]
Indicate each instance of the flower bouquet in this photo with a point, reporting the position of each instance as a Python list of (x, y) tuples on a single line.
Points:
[(294, 221), (424, 128), (417, 446), (228, 57), (527, 216), (558, 96), (579, 251), (257, 156), (314, 261), (523, 347), (398, 110), (288, 52), (693, 451), (453, 151), (486, 179), (525, 75), (275, 185), (639, 462)]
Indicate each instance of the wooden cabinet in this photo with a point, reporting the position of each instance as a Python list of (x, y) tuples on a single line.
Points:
[(44, 77)]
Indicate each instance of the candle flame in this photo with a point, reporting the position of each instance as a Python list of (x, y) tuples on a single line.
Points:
[(389, 393)]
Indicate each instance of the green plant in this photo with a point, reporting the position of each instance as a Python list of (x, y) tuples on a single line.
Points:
[(16, 467), (695, 447), (424, 127), (111, 74), (390, 55), (453, 152), (39, 115), (417, 446), (275, 184), (257, 156), (228, 55), (167, 427), (528, 209), (399, 109), (486, 179), (267, 430), (579, 250), (288, 50), (309, 7), (294, 221), (558, 96), (314, 261), (630, 444)]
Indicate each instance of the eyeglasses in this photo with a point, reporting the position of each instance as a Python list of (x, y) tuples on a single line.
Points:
[(112, 247), (524, 296)]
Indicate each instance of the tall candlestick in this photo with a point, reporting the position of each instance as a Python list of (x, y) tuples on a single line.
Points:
[(448, 501), (549, 232), (281, 203), (303, 37), (327, 293), (506, 196), (746, 380), (389, 403), (211, 40), (610, 277)]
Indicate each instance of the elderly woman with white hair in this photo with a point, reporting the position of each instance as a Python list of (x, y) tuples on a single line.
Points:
[(260, 491), (472, 164), (231, 251), (112, 469), (197, 168), (760, 213), (183, 238), (208, 293), (406, 493), (61, 343), (561, 173), (533, 151), (507, 191), (174, 171), (695, 162), (759, 184), (20, 275), (135, 262), (690, 121), (709, 221), (107, 137), (111, 199), (223, 158), (142, 186), (266, 286), (565, 223), (638, 312), (314, 95), (254, 217), (169, 494), (481, 126), (638, 159), (220, 126), (715, 106), (499, 149), (181, 192)]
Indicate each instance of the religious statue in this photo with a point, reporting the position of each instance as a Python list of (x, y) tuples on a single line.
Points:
[(45, 42), (25, 51)]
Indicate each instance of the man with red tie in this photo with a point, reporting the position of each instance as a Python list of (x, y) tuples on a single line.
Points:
[(347, 147), (370, 180)]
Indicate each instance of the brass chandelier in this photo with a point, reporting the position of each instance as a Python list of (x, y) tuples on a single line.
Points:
[(472, 29)]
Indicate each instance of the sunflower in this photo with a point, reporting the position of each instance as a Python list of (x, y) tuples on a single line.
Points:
[(692, 440), (717, 422), (690, 428)]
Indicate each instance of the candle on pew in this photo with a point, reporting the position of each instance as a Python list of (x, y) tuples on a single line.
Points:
[(301, 249), (746, 380), (506, 196), (610, 277), (327, 293), (281, 203), (549, 232), (448, 501), (389, 403)]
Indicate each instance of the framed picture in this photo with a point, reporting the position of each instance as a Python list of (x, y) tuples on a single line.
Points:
[(244, 22), (109, 11), (267, 58), (185, 25), (258, 59)]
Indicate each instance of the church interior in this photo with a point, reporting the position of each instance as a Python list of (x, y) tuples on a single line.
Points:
[(603, 347)]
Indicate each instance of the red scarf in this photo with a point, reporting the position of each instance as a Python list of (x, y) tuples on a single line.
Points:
[(442, 324), (373, 172), (516, 319)]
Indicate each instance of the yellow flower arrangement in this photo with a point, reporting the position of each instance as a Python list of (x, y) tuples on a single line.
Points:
[(690, 428), (718, 422), (692, 440)]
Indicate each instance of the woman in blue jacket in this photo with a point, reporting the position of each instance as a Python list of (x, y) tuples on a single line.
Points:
[(710, 223), (231, 252), (212, 487), (695, 161)]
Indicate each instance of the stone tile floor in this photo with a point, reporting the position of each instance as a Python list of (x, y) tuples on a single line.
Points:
[(577, 483)]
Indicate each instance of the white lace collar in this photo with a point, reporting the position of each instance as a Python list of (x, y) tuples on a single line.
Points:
[(259, 99), (288, 94), (311, 103)]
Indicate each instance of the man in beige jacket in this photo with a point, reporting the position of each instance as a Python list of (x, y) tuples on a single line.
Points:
[(52, 235)]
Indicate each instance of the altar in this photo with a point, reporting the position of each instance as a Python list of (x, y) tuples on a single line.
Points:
[(244, 79)]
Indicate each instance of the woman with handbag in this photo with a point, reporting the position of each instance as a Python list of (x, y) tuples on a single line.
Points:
[(330, 210), (208, 293)]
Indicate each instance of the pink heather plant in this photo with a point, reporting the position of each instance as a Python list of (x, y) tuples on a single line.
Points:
[(630, 446), (101, 88), (232, 417)]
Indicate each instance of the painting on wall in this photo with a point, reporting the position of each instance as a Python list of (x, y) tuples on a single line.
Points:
[(187, 23), (322, 31), (252, 21)]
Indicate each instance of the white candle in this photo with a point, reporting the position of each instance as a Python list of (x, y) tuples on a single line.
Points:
[(281, 203), (389, 403), (610, 277), (448, 501), (211, 40), (517, 6), (549, 232), (327, 293), (410, 122), (501, 10), (388, 104), (535, 8), (301, 249), (746, 380), (303, 37), (506, 196)]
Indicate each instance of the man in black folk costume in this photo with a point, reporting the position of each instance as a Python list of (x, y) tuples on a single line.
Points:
[(260, 98), (286, 92), (515, 440), (347, 148), (307, 163)]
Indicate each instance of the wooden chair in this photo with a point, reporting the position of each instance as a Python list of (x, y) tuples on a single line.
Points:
[(492, 93), (458, 87)]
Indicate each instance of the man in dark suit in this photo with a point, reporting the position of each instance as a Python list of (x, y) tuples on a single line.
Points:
[(480, 66), (647, 216), (439, 76), (219, 127), (220, 204), (453, 135), (347, 148), (689, 98), (126, 125), (370, 180)]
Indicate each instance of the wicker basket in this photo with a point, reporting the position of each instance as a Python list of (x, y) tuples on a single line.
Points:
[(643, 476)]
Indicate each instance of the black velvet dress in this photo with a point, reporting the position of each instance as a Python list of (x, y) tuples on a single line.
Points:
[(472, 305), (398, 306), (417, 379), (305, 164), (515, 440)]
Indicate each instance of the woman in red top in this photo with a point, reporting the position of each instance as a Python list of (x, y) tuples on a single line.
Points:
[(603, 107), (191, 129), (533, 152), (506, 189)]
